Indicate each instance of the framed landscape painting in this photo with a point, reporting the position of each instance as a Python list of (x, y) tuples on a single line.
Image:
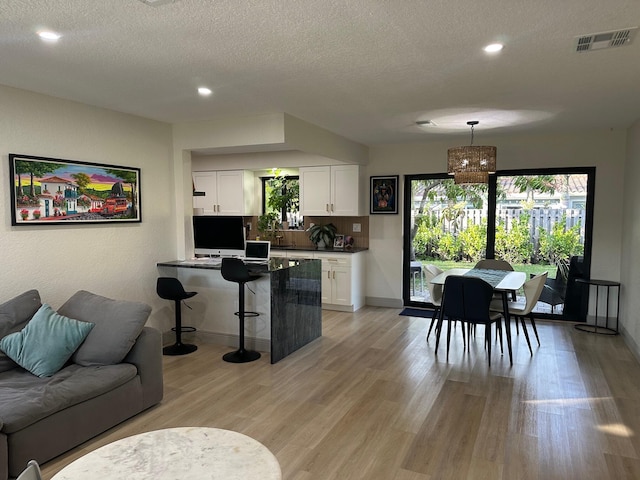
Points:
[(53, 191), (384, 194)]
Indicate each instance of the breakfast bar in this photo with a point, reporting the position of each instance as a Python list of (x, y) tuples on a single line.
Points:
[(287, 298)]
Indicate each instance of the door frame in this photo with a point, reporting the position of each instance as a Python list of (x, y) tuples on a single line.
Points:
[(491, 220)]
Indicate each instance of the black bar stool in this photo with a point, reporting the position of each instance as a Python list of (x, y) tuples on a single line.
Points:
[(234, 270), (170, 288)]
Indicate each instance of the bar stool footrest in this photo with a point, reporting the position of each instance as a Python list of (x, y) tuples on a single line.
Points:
[(185, 329)]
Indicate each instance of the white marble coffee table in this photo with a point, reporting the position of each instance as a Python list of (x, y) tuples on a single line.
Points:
[(177, 454)]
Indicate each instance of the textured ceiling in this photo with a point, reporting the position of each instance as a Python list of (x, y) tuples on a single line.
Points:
[(364, 69)]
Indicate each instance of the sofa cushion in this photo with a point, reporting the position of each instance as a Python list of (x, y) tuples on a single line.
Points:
[(45, 344), (117, 325), (14, 315), (26, 399)]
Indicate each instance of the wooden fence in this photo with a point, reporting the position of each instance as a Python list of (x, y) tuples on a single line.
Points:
[(543, 218)]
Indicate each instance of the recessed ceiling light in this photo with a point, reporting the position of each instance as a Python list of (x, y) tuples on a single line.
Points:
[(49, 36), (426, 123), (204, 91), (493, 48)]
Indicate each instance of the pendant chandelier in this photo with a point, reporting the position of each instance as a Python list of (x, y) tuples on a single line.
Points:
[(471, 164)]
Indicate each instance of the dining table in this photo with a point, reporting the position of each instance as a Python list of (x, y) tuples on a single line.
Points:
[(503, 282)]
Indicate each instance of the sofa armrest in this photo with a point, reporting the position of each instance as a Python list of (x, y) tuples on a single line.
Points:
[(146, 355)]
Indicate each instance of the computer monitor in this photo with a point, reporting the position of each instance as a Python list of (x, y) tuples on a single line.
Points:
[(257, 250), (218, 235)]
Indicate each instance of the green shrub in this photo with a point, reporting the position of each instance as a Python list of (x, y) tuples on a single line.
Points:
[(449, 247), (514, 246), (561, 243), (473, 241), (426, 240)]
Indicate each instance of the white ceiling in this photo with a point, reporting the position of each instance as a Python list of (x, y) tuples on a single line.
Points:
[(364, 69)]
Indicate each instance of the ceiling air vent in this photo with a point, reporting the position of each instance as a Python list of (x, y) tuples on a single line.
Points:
[(598, 41), (157, 3)]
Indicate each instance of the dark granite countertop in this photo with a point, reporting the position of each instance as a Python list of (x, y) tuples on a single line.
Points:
[(272, 265), (317, 250)]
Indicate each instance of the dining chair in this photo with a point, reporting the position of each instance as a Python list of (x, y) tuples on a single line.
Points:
[(497, 264), (468, 299), (521, 309), (32, 472), (494, 264), (435, 292)]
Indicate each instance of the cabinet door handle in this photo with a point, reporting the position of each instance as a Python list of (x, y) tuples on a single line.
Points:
[(328, 275), (327, 207), (334, 275), (332, 207)]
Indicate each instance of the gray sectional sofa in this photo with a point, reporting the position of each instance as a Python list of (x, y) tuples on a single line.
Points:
[(114, 374)]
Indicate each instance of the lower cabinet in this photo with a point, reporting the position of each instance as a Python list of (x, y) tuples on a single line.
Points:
[(343, 277), (336, 281)]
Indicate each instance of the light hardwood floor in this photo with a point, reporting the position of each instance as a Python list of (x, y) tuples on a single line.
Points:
[(370, 400)]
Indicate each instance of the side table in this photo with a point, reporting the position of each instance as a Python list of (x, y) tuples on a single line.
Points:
[(606, 285)]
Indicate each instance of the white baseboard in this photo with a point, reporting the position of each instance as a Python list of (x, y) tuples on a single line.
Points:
[(385, 302)]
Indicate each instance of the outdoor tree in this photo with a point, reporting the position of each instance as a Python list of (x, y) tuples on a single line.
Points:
[(535, 184)]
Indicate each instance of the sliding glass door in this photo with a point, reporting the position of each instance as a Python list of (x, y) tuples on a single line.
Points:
[(537, 220)]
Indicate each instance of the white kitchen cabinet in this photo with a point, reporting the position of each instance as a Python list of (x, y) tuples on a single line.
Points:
[(343, 277), (228, 192), (330, 190), (343, 280)]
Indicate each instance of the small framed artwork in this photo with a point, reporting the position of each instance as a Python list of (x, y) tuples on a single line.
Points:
[(338, 241), (54, 191), (384, 194)]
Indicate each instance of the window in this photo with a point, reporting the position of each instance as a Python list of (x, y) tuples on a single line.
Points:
[(534, 219), (281, 198)]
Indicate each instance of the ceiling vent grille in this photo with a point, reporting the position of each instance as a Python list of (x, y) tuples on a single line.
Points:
[(157, 3), (599, 41)]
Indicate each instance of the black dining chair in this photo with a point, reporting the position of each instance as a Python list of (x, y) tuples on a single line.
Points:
[(468, 299)]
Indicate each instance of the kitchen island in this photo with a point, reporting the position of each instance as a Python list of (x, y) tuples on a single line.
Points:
[(287, 297)]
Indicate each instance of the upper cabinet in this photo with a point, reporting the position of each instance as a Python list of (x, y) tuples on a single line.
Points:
[(330, 190), (228, 192)]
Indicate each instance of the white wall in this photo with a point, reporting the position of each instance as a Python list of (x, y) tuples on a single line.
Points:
[(630, 260), (603, 149), (115, 260), (118, 261)]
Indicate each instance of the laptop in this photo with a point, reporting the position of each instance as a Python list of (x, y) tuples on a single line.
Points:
[(257, 251)]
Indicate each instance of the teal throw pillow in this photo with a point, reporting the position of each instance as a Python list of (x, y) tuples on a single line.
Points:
[(45, 344)]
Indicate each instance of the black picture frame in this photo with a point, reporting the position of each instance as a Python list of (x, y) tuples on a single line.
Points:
[(55, 191), (383, 194)]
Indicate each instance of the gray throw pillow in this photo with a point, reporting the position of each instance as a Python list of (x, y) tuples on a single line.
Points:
[(14, 315), (117, 325)]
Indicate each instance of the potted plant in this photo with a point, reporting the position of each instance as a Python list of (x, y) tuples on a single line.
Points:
[(267, 225), (283, 197), (322, 235)]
